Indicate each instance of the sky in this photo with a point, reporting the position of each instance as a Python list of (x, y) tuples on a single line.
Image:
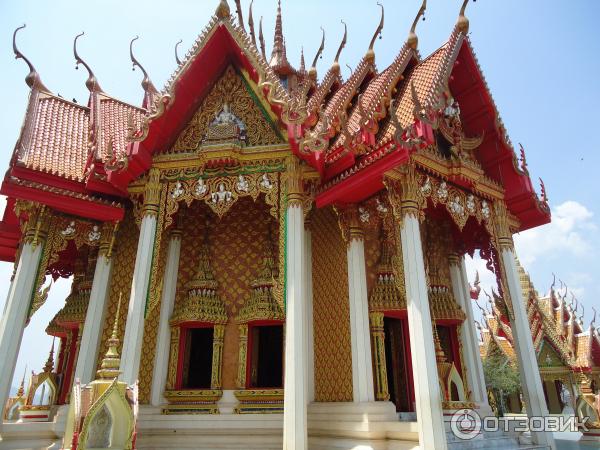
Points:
[(539, 57)]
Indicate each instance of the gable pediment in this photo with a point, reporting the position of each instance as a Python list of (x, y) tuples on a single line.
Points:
[(230, 112), (549, 357)]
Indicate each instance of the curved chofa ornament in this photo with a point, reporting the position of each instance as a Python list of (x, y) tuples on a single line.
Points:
[(378, 32), (313, 68), (33, 79), (463, 23), (413, 39), (150, 90), (336, 61), (91, 83), (177, 60)]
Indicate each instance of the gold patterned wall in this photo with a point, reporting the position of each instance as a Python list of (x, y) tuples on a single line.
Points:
[(124, 252), (237, 243), (333, 357)]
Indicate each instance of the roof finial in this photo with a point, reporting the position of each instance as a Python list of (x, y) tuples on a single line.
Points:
[(371, 52), (147, 84), (302, 63), (177, 60), (342, 44), (109, 369), (413, 39), (21, 390), (238, 7), (463, 23), (593, 322), (91, 83), (261, 38), (32, 79), (223, 11), (313, 68), (251, 23), (50, 361)]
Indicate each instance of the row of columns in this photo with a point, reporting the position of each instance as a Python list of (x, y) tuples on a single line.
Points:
[(299, 345)]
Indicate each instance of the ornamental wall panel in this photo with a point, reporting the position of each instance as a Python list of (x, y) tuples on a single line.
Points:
[(237, 245), (124, 252), (333, 355)]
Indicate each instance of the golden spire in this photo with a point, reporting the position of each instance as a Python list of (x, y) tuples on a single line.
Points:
[(463, 23), (251, 23), (261, 38), (238, 7), (371, 52), (413, 40), (33, 78), (50, 361), (313, 68), (21, 391), (109, 368), (279, 60), (177, 60), (147, 85), (440, 356), (223, 11), (91, 83)]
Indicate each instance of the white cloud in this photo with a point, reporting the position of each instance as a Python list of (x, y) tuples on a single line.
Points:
[(567, 234)]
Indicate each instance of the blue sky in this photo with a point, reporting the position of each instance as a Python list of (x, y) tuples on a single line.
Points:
[(540, 58)]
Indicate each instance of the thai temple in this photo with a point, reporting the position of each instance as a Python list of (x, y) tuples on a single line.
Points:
[(567, 352), (269, 257)]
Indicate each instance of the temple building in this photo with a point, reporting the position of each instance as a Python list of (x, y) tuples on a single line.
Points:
[(567, 353), (263, 257)]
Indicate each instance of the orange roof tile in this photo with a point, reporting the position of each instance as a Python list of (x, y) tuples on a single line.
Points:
[(114, 121)]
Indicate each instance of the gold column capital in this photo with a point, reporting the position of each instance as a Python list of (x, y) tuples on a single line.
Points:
[(501, 226), (454, 259), (295, 190), (107, 240), (349, 223), (403, 190), (152, 193), (37, 225)]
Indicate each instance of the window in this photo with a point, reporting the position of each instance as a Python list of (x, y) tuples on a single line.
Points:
[(197, 362), (266, 363)]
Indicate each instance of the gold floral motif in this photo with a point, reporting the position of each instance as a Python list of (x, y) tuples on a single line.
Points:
[(378, 340), (232, 90)]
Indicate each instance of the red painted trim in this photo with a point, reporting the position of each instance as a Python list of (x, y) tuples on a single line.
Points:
[(68, 374), (455, 348), (408, 363), (182, 338)]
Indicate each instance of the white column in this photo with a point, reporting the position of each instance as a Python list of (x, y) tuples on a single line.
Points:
[(528, 368), (360, 335), (94, 320), (310, 349), (134, 329), (425, 375), (15, 315), (470, 343), (161, 359), (295, 396)]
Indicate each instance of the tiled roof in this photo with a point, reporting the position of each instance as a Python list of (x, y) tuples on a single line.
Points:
[(114, 121), (55, 137)]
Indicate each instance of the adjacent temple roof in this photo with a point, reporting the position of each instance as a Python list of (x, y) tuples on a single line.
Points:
[(557, 329), (350, 131)]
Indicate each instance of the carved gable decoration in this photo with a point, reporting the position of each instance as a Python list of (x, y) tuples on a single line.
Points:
[(548, 357), (229, 113)]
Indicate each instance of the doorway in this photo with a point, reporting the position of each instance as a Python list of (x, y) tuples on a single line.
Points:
[(397, 360), (266, 369)]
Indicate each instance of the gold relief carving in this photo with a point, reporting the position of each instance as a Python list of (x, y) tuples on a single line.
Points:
[(173, 358), (242, 356), (221, 193), (502, 228), (333, 357), (263, 401), (293, 178), (107, 240), (350, 224), (378, 342), (403, 191), (230, 90), (217, 361), (388, 293)]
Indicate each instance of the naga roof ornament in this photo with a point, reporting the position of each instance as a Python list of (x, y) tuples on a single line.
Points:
[(33, 78), (240, 14), (261, 38), (463, 23), (251, 24), (91, 83), (223, 11)]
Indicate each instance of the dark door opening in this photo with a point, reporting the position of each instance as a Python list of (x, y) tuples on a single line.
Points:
[(197, 369), (266, 370), (397, 364)]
